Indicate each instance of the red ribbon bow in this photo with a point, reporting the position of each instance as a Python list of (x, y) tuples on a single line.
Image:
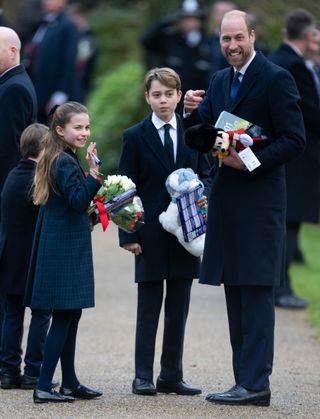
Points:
[(98, 200)]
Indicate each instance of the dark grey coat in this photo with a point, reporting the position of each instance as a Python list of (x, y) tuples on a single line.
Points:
[(61, 268)]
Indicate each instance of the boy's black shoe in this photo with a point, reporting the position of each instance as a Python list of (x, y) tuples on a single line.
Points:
[(143, 387), (178, 387), (9, 382)]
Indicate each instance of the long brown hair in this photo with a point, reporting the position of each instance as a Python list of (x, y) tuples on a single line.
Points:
[(54, 145)]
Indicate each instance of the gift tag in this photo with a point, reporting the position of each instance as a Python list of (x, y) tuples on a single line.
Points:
[(249, 159)]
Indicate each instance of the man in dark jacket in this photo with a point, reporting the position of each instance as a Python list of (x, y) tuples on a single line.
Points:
[(18, 109), (245, 239), (303, 172), (18, 104)]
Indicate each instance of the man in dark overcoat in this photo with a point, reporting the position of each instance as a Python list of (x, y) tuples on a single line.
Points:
[(18, 105), (18, 109), (50, 57), (160, 260), (245, 240), (303, 172)]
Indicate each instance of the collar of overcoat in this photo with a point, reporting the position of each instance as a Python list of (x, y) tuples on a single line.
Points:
[(249, 79), (12, 72)]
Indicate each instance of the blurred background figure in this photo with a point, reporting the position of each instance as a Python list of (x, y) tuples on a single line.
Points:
[(180, 42), (256, 24), (50, 57), (218, 10), (26, 19), (87, 51), (300, 46), (3, 21)]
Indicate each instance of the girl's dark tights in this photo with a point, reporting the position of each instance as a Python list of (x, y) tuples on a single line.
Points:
[(60, 344)]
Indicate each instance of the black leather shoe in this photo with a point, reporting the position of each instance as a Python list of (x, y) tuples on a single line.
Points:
[(9, 382), (291, 302), (80, 392), (52, 396), (143, 387), (30, 383), (238, 395), (178, 387)]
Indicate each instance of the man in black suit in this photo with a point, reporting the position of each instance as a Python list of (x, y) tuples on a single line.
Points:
[(18, 108), (50, 57), (161, 262), (245, 239), (302, 173)]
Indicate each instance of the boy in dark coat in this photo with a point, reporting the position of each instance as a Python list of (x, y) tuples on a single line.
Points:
[(151, 150), (19, 217)]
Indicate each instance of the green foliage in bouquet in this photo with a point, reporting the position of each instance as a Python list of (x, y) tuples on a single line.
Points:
[(130, 217)]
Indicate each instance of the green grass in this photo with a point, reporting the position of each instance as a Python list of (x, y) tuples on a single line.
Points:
[(306, 278)]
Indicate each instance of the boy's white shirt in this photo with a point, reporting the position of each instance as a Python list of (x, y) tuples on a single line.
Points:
[(159, 124)]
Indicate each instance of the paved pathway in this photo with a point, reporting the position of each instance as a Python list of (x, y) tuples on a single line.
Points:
[(105, 356)]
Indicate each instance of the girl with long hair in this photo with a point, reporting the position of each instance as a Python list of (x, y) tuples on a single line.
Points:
[(60, 275)]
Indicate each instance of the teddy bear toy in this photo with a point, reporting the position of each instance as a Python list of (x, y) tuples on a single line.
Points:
[(180, 182), (205, 137)]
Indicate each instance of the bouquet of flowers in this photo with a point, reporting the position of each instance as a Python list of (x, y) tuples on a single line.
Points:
[(117, 200)]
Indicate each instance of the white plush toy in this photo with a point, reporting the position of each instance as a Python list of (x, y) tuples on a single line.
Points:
[(179, 182)]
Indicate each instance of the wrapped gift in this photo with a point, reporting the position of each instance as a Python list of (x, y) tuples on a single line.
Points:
[(192, 216)]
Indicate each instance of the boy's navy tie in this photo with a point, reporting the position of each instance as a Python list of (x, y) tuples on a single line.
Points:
[(235, 85), (168, 143)]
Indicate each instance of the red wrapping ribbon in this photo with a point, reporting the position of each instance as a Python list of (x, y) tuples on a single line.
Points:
[(102, 211)]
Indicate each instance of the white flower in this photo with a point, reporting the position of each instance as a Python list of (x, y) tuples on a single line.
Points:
[(127, 183)]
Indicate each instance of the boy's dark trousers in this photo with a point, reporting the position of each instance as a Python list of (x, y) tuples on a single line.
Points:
[(12, 337), (176, 307)]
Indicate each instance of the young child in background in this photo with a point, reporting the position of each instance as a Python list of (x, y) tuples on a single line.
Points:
[(19, 217), (61, 269), (151, 150)]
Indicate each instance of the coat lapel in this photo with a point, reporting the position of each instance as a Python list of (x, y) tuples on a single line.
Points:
[(181, 147), (226, 83), (249, 79), (152, 140)]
